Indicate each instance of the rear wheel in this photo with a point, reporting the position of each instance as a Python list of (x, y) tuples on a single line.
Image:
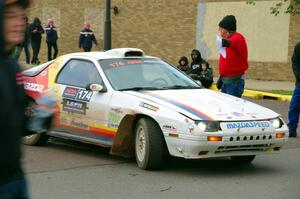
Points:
[(243, 159), (35, 139), (149, 144)]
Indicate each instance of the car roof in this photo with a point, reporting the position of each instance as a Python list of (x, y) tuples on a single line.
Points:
[(111, 54)]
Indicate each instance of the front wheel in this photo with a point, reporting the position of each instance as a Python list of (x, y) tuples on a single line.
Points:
[(149, 144), (243, 159)]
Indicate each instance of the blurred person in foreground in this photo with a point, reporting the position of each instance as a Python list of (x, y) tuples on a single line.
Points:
[(233, 63), (294, 109), (13, 101)]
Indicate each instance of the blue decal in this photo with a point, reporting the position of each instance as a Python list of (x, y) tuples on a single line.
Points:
[(248, 125)]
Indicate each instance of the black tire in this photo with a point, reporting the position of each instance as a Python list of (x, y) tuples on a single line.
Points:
[(35, 139), (148, 144), (243, 159)]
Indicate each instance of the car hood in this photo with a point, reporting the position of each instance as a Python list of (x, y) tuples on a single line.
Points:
[(205, 104)]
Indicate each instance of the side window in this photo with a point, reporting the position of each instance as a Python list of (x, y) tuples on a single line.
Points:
[(79, 73)]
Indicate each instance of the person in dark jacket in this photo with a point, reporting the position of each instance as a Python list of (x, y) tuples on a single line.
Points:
[(196, 65), (13, 101), (87, 38), (36, 31), (206, 77), (294, 109), (51, 39), (183, 64), (24, 45)]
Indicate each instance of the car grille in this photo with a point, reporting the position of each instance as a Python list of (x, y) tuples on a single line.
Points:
[(251, 138), (255, 147), (243, 143)]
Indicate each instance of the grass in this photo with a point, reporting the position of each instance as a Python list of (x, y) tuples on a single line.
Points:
[(280, 92)]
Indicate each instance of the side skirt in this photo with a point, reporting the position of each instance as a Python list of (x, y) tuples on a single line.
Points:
[(88, 140)]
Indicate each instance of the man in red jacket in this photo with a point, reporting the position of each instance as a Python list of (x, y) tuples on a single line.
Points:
[(234, 63)]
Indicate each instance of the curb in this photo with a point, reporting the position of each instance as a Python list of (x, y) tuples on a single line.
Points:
[(266, 95), (261, 95)]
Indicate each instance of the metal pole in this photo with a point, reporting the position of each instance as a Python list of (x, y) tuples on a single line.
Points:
[(107, 27)]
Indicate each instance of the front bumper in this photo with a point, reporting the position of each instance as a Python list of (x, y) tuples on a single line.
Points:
[(197, 147)]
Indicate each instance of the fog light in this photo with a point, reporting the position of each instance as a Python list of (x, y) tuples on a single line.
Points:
[(280, 135), (214, 138)]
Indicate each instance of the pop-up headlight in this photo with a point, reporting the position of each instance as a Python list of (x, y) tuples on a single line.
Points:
[(209, 126)]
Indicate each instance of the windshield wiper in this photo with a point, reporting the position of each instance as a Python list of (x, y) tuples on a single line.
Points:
[(182, 87), (139, 88)]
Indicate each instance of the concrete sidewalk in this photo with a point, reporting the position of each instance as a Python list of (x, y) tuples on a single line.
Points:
[(269, 85), (253, 84), (258, 89)]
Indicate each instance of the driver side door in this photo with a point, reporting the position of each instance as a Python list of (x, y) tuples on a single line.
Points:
[(82, 111)]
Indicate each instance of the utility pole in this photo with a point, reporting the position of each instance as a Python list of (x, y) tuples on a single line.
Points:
[(107, 27)]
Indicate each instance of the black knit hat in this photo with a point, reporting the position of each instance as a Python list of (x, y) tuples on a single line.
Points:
[(228, 23)]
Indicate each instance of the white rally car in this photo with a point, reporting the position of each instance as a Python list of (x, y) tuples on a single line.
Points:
[(140, 105)]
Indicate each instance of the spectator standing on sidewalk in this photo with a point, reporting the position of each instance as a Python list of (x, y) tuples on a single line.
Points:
[(51, 39), (36, 31), (234, 63), (294, 109), (24, 45), (13, 101), (87, 38)]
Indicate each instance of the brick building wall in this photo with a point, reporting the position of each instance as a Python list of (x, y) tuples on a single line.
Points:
[(164, 28)]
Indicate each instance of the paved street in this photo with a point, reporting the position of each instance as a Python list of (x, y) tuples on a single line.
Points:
[(72, 170)]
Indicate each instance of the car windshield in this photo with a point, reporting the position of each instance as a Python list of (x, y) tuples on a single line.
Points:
[(144, 74)]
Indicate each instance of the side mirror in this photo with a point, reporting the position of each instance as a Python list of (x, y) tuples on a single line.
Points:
[(96, 87)]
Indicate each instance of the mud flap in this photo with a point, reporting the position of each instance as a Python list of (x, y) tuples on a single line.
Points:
[(123, 145)]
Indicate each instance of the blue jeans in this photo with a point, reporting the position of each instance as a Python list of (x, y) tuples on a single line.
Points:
[(234, 89), (14, 190), (294, 110)]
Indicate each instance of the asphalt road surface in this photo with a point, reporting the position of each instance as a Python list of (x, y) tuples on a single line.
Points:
[(71, 170)]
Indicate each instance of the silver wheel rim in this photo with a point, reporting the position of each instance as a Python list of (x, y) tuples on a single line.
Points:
[(140, 144)]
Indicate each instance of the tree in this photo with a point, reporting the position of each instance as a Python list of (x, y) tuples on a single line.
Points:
[(293, 6)]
